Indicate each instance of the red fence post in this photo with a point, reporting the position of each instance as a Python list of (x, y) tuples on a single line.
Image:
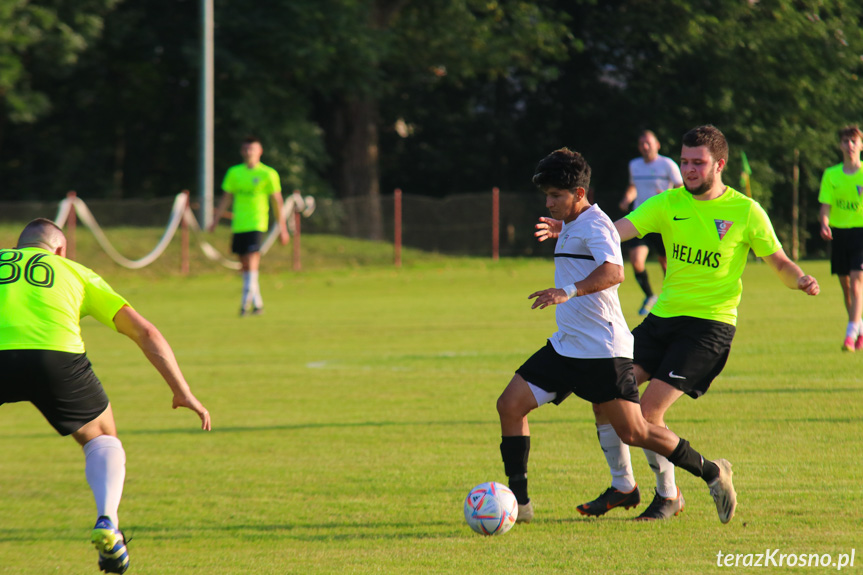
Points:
[(397, 228), (71, 224), (184, 236), (495, 224), (296, 259)]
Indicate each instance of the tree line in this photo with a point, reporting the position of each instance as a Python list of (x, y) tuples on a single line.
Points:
[(353, 98)]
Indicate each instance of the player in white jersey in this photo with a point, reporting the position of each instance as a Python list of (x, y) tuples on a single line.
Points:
[(590, 354), (649, 175)]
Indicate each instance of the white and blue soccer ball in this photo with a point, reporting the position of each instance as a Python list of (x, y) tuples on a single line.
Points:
[(490, 508)]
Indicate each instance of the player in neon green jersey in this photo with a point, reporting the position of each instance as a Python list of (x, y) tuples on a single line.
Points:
[(250, 186), (43, 296), (708, 229), (841, 218)]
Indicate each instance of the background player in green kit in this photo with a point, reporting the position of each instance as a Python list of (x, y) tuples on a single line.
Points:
[(841, 217), (708, 229), (43, 296), (251, 186)]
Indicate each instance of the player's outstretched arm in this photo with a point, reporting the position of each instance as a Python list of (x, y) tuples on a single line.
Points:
[(791, 274), (625, 229), (603, 277), (154, 345), (224, 203), (824, 220), (629, 197), (548, 229)]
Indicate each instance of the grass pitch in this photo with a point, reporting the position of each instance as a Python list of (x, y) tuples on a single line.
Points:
[(351, 419)]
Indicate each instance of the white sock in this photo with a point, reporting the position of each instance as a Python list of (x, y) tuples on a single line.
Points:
[(853, 329), (664, 471), (105, 467), (617, 455), (247, 287), (257, 300)]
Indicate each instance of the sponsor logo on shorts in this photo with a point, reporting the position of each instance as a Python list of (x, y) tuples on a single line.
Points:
[(675, 376)]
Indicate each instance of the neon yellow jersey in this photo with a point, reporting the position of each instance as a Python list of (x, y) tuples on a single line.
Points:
[(707, 244), (252, 189), (844, 195), (43, 298)]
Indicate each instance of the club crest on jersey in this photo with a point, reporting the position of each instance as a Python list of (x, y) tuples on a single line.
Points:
[(860, 190), (722, 227), (256, 180)]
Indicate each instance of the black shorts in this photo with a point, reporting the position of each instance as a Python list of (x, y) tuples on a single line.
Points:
[(596, 380), (684, 352), (846, 254), (652, 241), (61, 385), (247, 243)]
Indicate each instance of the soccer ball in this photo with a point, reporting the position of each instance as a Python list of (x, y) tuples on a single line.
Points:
[(490, 508)]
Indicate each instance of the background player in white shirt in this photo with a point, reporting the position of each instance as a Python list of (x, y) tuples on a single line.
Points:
[(649, 175)]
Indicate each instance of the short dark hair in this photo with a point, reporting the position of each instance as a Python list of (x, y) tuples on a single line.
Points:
[(850, 131), (251, 140), (710, 137), (562, 169)]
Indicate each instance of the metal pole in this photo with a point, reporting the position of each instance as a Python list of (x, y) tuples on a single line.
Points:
[(184, 237), (205, 134), (71, 224), (495, 224), (297, 263), (397, 225)]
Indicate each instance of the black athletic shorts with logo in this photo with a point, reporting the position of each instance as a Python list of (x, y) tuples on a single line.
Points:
[(684, 352), (61, 385), (652, 241), (247, 242), (596, 380), (846, 254)]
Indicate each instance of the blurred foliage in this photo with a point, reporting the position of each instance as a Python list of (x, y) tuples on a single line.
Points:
[(463, 95)]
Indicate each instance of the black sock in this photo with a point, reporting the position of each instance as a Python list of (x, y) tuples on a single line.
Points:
[(709, 471), (515, 450), (687, 458), (644, 283)]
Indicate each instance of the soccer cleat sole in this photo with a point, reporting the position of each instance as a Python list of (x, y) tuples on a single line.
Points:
[(726, 498), (113, 553)]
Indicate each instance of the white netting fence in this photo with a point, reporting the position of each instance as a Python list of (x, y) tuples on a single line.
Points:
[(457, 224), (180, 212)]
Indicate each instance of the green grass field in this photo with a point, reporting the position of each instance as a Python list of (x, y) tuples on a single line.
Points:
[(351, 419)]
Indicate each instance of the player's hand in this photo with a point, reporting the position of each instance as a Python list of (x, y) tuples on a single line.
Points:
[(547, 297), (284, 237), (548, 229), (809, 285), (191, 402), (826, 232)]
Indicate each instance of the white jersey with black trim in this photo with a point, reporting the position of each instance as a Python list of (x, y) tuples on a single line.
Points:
[(590, 326), (651, 178)]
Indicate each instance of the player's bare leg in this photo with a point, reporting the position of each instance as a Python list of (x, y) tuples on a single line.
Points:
[(513, 405)]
